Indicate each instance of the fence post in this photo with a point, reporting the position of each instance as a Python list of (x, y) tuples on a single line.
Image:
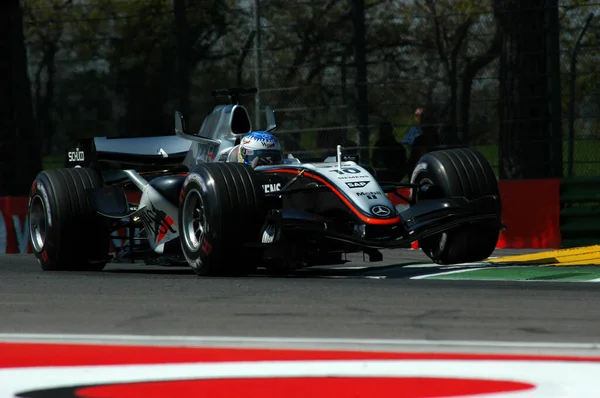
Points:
[(573, 75), (554, 88), (360, 59), (257, 63)]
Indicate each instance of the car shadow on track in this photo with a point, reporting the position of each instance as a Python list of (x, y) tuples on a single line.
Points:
[(396, 264), (351, 270), (141, 269)]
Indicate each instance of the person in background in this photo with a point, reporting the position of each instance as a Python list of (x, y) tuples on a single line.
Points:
[(389, 155), (420, 138), (414, 131)]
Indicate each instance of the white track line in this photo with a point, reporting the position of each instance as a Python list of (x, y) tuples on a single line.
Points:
[(427, 276), (138, 339)]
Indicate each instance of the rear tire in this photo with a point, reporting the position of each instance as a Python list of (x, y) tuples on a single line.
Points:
[(459, 172), (222, 207), (65, 231)]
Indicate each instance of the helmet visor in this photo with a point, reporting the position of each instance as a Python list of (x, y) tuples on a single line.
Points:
[(273, 155)]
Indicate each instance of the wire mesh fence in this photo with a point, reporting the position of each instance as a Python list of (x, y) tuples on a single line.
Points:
[(113, 68), (580, 54)]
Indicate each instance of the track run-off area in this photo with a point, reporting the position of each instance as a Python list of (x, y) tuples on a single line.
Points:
[(522, 323)]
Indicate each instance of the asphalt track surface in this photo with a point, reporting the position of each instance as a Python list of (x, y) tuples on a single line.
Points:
[(321, 303)]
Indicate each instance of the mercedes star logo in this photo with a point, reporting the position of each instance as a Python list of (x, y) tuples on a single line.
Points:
[(380, 211)]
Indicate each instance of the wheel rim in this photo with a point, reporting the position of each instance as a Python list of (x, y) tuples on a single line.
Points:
[(37, 223), (194, 220)]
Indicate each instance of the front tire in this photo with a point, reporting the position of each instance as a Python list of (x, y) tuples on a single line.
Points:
[(459, 172), (65, 231), (222, 207)]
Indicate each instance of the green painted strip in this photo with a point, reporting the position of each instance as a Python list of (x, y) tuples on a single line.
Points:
[(515, 273)]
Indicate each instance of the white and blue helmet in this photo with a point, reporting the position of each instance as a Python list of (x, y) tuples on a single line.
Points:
[(259, 144)]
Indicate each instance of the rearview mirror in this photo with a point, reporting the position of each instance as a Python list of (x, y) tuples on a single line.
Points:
[(180, 131), (271, 121)]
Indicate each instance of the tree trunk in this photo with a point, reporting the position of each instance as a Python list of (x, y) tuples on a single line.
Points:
[(44, 99), (466, 84), (20, 158), (360, 59), (242, 59), (528, 135), (182, 78)]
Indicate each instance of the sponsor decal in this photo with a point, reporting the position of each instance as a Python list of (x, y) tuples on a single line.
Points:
[(272, 187), (76, 156), (349, 177), (267, 144), (422, 166), (346, 170), (357, 184), (206, 246), (197, 263), (350, 158), (44, 194), (157, 222), (370, 195), (14, 234), (381, 211), (266, 140), (196, 177), (205, 153), (347, 173)]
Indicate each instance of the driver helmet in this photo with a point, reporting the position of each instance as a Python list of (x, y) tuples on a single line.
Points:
[(259, 144)]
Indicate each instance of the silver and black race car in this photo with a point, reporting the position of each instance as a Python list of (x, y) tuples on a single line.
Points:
[(194, 206)]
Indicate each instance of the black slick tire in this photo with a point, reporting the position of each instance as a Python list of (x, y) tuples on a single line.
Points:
[(459, 172), (65, 231), (233, 214)]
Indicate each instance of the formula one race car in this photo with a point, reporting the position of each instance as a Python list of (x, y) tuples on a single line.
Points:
[(198, 205)]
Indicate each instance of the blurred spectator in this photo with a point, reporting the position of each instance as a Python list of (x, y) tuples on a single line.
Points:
[(389, 155), (415, 130), (421, 138)]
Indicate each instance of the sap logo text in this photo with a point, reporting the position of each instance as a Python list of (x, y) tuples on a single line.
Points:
[(357, 184), (76, 156), (272, 187)]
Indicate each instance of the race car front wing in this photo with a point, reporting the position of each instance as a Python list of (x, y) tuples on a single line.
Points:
[(425, 218)]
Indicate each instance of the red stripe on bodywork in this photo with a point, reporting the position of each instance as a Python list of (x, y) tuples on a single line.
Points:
[(368, 220)]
